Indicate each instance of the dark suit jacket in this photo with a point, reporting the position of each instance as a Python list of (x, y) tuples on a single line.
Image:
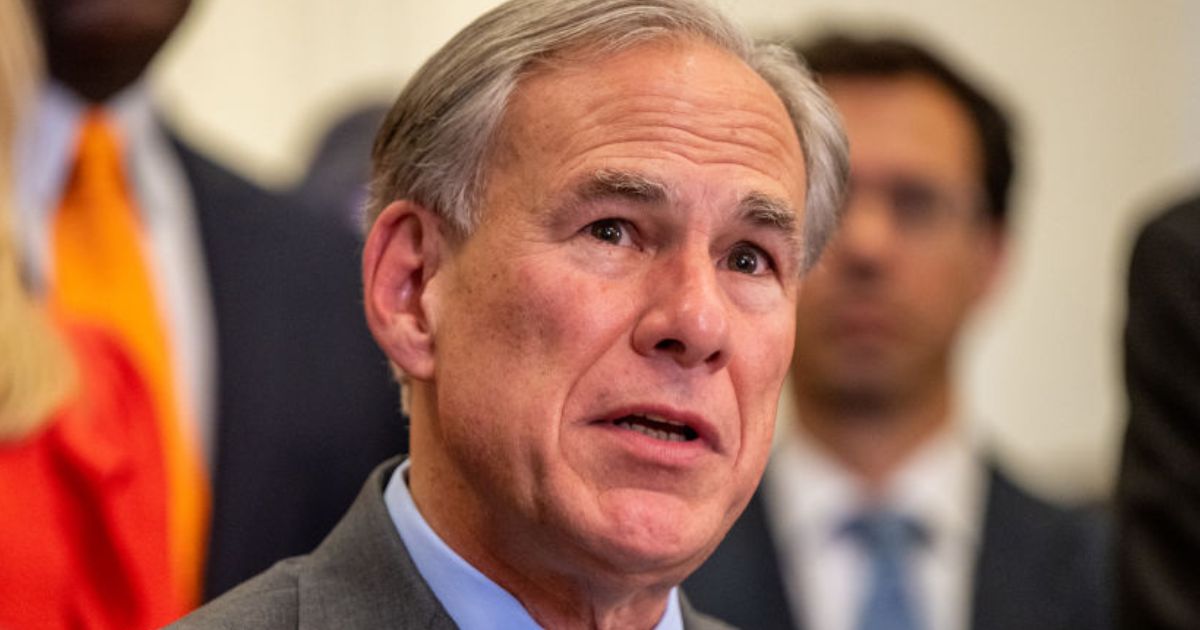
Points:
[(1158, 492), (360, 577), (1040, 568), (292, 352)]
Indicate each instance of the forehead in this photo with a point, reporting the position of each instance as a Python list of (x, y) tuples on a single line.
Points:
[(670, 101), (909, 124)]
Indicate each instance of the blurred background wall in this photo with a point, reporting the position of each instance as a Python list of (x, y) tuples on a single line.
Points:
[(1106, 94)]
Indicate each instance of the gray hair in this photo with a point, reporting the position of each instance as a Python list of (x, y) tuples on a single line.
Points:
[(433, 146)]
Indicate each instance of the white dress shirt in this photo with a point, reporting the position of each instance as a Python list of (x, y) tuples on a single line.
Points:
[(472, 600), (810, 496), (171, 240)]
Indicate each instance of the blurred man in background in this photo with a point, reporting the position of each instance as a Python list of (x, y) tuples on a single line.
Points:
[(1158, 492), (239, 312), (878, 511)]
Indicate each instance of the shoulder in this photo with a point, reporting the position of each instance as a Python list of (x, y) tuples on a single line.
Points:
[(360, 576), (695, 620), (1060, 530), (269, 601), (260, 238), (211, 181), (245, 214), (1168, 235), (1042, 564), (1180, 219)]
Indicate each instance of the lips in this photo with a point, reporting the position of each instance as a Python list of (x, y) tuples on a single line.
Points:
[(667, 426), (657, 428)]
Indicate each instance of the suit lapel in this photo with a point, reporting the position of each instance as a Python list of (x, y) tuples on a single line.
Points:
[(695, 620), (1023, 556), (362, 576)]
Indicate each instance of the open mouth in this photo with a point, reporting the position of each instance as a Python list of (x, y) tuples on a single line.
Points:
[(657, 428)]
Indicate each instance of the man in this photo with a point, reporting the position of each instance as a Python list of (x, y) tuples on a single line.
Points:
[(877, 510), (1158, 511), (589, 223), (254, 299)]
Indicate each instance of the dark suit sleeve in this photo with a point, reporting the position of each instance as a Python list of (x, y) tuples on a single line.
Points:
[(1158, 493)]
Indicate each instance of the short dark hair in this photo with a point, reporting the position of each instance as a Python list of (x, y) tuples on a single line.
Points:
[(841, 55)]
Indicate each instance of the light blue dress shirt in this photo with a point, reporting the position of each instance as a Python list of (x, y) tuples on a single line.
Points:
[(472, 600)]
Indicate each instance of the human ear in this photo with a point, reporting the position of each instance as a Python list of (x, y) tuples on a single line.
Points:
[(402, 252)]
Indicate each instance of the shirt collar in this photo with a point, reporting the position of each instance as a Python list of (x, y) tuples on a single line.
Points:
[(469, 597), (941, 486), (45, 147), (47, 141)]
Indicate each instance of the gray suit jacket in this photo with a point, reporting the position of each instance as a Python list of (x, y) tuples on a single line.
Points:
[(361, 576)]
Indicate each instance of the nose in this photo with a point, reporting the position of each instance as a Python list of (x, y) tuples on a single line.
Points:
[(687, 318)]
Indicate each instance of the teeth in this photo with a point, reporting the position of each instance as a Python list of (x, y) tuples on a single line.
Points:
[(664, 421), (654, 433)]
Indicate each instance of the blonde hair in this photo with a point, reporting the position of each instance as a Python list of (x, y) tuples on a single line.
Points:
[(36, 372)]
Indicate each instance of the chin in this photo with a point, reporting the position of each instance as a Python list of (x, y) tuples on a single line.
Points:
[(649, 532)]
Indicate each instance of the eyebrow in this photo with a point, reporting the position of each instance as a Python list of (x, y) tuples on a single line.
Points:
[(776, 214), (763, 209), (623, 184), (756, 207)]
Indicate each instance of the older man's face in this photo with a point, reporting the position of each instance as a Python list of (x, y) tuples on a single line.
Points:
[(610, 343)]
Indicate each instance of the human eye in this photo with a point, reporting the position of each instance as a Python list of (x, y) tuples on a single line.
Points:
[(749, 259), (611, 231), (916, 203)]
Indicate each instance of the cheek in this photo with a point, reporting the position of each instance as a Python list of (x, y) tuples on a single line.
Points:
[(514, 308), (538, 325), (944, 291), (579, 314), (763, 362), (552, 314)]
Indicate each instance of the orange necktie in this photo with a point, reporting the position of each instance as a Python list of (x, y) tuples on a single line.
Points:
[(101, 276)]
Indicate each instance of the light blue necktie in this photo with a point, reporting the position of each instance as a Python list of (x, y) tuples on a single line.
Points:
[(887, 538)]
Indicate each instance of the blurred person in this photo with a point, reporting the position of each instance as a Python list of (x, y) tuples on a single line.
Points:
[(336, 179), (1158, 489), (237, 308), (878, 510), (590, 219), (83, 538)]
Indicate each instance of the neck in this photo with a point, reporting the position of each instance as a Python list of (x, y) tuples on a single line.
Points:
[(555, 600), (541, 569), (874, 435), (95, 87)]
